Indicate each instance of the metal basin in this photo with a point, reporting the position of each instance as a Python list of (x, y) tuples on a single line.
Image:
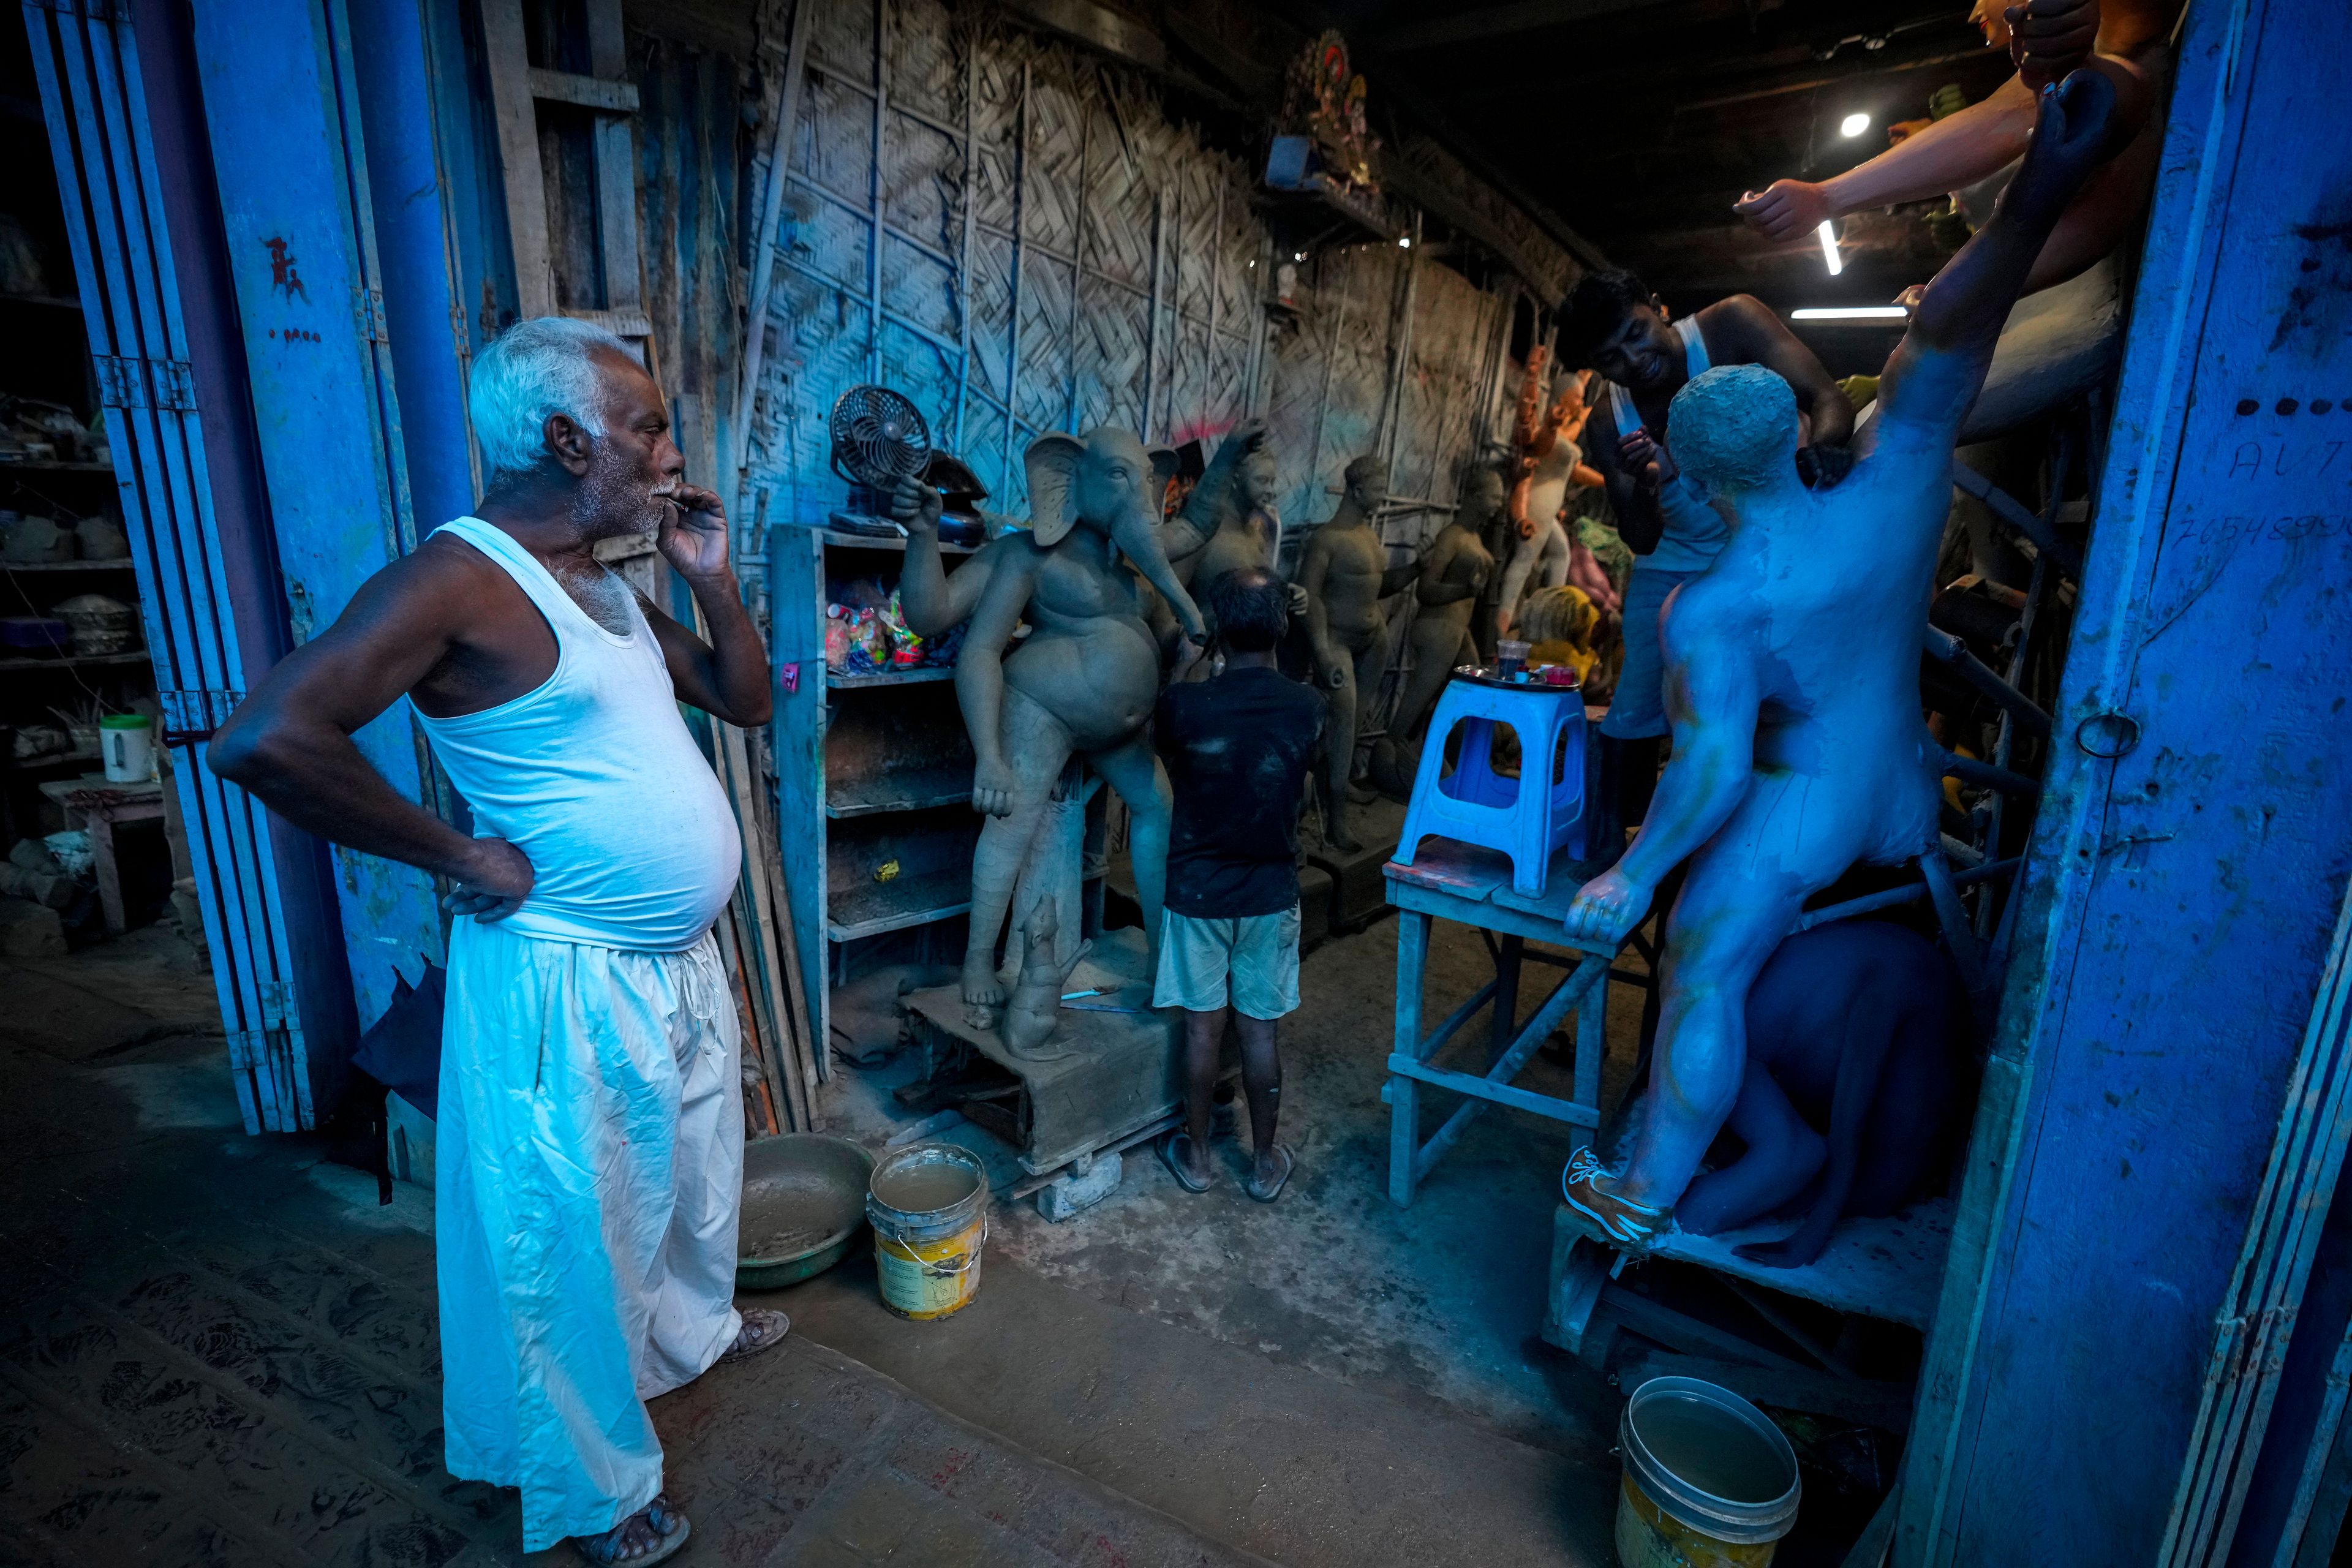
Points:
[(803, 1207)]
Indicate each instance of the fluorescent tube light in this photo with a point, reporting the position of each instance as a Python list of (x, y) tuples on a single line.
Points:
[(1828, 248), (1848, 314)]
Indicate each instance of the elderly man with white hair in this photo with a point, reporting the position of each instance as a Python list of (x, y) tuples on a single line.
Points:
[(591, 1133)]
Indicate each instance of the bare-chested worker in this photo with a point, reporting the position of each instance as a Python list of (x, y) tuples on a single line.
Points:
[(1345, 571), (1615, 325), (1792, 673)]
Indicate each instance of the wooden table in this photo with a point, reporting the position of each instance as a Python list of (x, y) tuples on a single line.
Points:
[(101, 803), (1455, 882)]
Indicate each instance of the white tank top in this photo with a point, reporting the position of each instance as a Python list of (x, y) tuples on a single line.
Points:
[(593, 775), (1695, 532)]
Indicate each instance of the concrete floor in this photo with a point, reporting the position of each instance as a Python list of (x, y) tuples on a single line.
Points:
[(1414, 1330), (216, 1349)]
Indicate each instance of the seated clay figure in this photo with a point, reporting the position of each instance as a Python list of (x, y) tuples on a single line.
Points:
[(1792, 675), (1853, 1086)]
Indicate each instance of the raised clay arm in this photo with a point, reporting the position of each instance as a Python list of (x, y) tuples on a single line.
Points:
[(932, 601), (980, 677)]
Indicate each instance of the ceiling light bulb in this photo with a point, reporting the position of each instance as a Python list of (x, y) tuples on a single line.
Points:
[(1404, 242), (1853, 125), (1298, 256), (1830, 249)]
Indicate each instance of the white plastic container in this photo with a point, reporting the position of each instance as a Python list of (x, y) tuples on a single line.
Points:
[(127, 742)]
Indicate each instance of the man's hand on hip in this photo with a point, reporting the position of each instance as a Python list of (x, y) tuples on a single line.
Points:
[(494, 884), (694, 539)]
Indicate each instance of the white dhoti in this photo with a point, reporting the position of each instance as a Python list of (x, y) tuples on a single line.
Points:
[(588, 1178)]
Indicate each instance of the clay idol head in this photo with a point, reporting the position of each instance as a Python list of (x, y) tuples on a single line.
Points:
[(1735, 429)]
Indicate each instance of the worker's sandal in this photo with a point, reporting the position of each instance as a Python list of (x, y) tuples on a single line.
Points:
[(1617, 1222), (767, 1328), (671, 1526)]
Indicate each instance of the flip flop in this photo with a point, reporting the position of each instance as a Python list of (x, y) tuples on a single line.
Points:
[(671, 1545), (1267, 1195), (740, 1352), (1184, 1178)]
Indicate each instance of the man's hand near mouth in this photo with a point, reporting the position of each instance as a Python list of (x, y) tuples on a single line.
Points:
[(693, 534)]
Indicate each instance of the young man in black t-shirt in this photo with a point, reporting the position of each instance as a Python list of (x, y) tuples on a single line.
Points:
[(1238, 748)]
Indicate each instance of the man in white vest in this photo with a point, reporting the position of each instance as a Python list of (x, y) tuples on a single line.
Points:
[(591, 1133)]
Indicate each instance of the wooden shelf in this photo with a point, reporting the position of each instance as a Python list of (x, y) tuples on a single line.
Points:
[(57, 467), (884, 541), (67, 661), (120, 563), (899, 903), (841, 680), (913, 789)]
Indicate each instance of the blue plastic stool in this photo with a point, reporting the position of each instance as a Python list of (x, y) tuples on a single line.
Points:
[(1476, 805)]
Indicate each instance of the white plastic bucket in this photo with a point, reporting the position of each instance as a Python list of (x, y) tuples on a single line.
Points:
[(127, 742)]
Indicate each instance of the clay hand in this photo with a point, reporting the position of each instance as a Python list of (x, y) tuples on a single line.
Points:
[(2076, 129), (693, 534), (2048, 39), (915, 506), (991, 789), (1785, 209), (494, 883), (1607, 907), (1298, 602)]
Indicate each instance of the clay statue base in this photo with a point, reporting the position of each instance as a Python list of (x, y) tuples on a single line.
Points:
[(1116, 1073)]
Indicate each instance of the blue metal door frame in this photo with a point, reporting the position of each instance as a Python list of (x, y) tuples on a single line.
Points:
[(2161, 1128), (284, 109)]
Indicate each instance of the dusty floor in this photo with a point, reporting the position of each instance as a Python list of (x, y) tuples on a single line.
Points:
[(216, 1349)]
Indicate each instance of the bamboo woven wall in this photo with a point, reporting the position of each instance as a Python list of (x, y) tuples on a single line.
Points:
[(1013, 233)]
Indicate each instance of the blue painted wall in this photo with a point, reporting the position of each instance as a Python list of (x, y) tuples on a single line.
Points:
[(2181, 896)]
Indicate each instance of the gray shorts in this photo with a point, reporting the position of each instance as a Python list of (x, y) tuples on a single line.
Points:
[(1251, 961), (1637, 709)]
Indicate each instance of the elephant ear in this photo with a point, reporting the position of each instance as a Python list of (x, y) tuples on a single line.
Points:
[(1053, 465)]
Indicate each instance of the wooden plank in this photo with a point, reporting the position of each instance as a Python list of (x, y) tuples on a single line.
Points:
[(509, 69), (1543, 1105), (586, 91), (764, 249), (1404, 1095)]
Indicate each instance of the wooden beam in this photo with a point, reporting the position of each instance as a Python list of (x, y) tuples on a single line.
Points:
[(526, 188), (586, 91)]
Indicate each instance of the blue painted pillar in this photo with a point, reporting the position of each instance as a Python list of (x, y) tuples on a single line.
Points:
[(2163, 1116), (284, 112)]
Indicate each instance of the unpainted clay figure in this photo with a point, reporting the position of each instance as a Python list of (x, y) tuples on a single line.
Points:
[(1247, 531), (1792, 673), (1344, 572), (1854, 1067), (1452, 573), (1084, 680), (1034, 1008), (1551, 461)]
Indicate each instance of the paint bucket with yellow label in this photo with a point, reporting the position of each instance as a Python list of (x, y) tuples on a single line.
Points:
[(928, 1205)]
